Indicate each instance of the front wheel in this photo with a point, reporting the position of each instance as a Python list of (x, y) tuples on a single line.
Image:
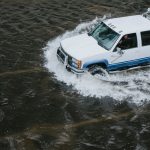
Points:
[(99, 72)]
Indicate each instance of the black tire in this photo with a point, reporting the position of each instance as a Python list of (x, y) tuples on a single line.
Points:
[(96, 70)]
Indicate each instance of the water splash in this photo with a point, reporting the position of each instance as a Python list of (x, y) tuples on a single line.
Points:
[(133, 85)]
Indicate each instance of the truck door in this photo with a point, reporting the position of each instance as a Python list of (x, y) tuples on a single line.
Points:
[(125, 52)]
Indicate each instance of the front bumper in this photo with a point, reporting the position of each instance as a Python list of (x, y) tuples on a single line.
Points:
[(63, 58), (74, 70)]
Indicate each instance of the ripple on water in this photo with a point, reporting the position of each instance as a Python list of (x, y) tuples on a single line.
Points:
[(2, 115)]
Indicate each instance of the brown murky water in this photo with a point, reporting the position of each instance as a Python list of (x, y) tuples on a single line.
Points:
[(37, 112)]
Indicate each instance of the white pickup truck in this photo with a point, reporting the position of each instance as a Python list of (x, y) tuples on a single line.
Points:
[(114, 44)]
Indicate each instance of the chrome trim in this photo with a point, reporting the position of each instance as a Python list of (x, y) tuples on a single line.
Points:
[(65, 62), (60, 59), (74, 70)]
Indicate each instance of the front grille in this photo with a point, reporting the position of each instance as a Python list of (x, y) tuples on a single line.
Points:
[(63, 51), (61, 55), (70, 60)]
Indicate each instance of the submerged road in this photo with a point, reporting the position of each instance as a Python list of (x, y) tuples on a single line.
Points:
[(38, 112)]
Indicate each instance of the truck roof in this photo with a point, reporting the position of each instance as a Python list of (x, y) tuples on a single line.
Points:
[(129, 24)]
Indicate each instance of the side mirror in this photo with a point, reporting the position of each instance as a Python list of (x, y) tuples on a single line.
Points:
[(119, 51)]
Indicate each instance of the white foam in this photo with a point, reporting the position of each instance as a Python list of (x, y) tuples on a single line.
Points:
[(135, 89)]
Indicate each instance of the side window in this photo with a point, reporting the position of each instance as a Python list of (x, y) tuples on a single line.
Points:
[(128, 41), (145, 38)]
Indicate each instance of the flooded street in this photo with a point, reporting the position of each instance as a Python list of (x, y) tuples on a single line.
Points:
[(44, 107)]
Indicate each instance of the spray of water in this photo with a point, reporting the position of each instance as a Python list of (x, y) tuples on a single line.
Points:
[(133, 86)]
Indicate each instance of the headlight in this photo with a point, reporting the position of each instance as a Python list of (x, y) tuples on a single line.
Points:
[(76, 63), (79, 63)]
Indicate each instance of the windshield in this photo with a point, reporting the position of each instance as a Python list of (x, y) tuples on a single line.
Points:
[(105, 36)]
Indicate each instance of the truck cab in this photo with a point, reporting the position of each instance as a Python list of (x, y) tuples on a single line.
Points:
[(114, 44)]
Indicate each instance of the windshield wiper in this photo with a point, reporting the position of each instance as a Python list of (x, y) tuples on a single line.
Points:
[(89, 34)]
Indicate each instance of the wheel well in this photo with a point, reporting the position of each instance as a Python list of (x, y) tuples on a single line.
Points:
[(103, 65)]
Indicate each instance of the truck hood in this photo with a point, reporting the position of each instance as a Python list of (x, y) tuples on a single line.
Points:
[(82, 46)]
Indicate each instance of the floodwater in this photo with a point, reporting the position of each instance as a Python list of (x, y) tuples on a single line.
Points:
[(42, 106)]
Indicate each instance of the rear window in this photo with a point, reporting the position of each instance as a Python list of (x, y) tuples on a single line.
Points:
[(145, 38)]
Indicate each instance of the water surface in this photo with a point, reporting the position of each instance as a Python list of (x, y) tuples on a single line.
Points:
[(44, 108)]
